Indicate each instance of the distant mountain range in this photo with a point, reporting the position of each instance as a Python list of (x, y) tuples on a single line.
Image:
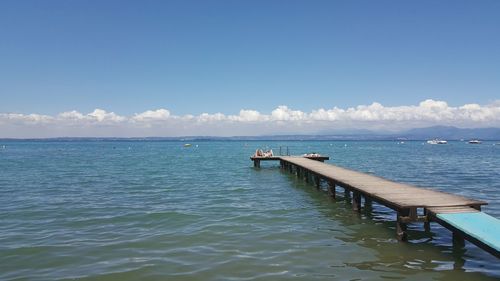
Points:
[(441, 132)]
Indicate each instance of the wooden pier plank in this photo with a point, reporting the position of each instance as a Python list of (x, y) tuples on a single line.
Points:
[(396, 195), (458, 209)]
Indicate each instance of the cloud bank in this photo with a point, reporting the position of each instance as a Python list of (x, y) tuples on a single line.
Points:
[(282, 120)]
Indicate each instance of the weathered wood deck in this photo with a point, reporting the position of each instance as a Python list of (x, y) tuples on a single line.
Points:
[(412, 204), (397, 196)]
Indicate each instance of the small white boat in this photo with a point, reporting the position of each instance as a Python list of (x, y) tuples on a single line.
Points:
[(437, 141), (474, 141), (187, 145)]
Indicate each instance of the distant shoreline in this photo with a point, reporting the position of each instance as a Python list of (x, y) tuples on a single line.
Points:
[(206, 139), (449, 133)]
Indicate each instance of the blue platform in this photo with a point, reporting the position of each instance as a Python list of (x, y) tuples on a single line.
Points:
[(479, 227)]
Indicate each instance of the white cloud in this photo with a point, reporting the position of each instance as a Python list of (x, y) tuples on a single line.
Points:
[(205, 117), (98, 115), (103, 116), (247, 115), (161, 122), (283, 113), (71, 115), (24, 118), (151, 115)]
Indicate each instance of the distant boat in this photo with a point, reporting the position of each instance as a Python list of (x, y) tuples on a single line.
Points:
[(187, 145), (437, 141), (474, 141)]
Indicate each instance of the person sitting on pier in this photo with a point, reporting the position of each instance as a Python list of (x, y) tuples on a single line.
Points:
[(268, 153), (260, 153)]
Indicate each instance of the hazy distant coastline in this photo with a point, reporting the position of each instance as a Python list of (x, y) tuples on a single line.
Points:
[(444, 132)]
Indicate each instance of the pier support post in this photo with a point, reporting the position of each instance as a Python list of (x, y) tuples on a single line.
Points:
[(458, 239), (331, 189), (401, 227), (368, 204), (347, 194), (317, 181), (413, 214), (427, 226), (256, 163), (356, 201), (427, 223), (307, 176)]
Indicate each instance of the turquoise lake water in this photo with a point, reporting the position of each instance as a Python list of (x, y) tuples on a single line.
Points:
[(153, 210)]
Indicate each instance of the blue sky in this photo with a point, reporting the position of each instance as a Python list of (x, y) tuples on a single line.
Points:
[(194, 57)]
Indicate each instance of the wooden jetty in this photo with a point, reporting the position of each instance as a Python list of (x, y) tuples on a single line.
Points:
[(459, 214), (256, 159)]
